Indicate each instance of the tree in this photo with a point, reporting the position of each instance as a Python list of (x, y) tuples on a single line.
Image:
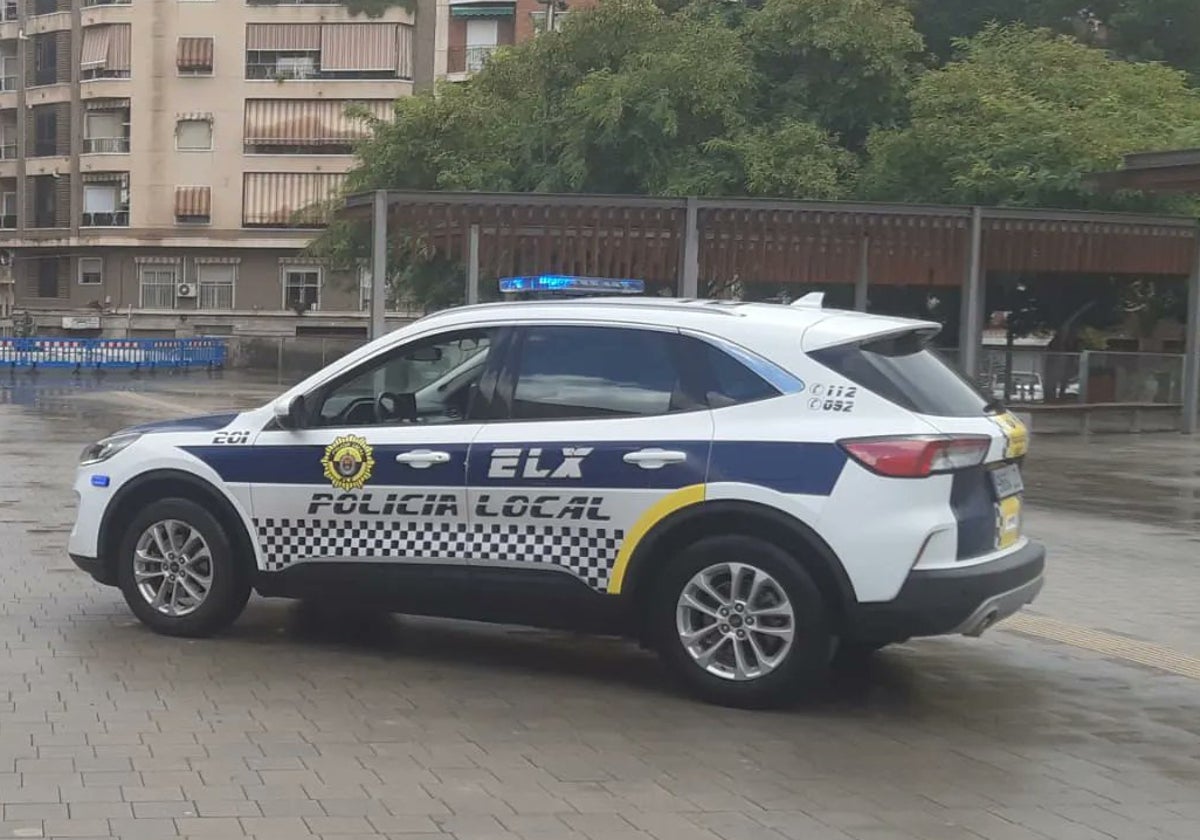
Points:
[(1023, 118), (1140, 30), (844, 64)]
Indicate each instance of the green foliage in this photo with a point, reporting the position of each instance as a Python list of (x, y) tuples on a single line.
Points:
[(1022, 119), (845, 64), (377, 8)]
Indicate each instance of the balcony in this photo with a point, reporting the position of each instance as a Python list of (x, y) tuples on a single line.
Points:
[(469, 59), (106, 145), (116, 218), (89, 3)]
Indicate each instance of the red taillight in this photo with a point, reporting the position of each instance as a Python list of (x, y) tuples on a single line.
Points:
[(919, 455)]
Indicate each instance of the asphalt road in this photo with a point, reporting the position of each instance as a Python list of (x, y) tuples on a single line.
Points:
[(1078, 719)]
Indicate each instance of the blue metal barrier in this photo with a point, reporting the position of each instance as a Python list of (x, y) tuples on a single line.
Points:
[(101, 353)]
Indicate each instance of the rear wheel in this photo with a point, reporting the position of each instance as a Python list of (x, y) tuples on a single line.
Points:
[(178, 572), (742, 623)]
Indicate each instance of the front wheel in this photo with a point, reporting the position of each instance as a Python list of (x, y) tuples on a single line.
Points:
[(742, 623), (178, 571)]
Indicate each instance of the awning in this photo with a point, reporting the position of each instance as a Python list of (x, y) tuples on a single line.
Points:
[(484, 10), (283, 36), (105, 177), (94, 52), (194, 54), (359, 46), (120, 42), (193, 201), (308, 122), (289, 199), (105, 104), (203, 116)]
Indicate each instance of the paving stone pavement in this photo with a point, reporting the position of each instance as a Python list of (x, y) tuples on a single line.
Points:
[(305, 723)]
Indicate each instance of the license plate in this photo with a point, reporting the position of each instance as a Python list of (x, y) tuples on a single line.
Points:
[(1006, 481)]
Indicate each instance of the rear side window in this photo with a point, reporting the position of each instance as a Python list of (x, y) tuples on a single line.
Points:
[(729, 381), (579, 372), (905, 371)]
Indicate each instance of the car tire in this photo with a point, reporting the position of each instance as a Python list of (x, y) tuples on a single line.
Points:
[(851, 653), (783, 675), (196, 548)]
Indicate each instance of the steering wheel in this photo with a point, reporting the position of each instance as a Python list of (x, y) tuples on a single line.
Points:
[(389, 407)]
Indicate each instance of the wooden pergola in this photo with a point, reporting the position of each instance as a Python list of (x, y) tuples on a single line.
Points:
[(694, 245)]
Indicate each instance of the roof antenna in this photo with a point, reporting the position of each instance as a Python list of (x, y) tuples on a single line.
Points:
[(812, 300)]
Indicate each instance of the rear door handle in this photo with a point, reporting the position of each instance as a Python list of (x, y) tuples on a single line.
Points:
[(654, 459), (421, 459)]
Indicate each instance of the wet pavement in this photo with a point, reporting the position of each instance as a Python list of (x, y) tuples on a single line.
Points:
[(1080, 719)]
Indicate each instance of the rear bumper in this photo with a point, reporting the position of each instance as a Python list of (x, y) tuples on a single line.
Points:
[(969, 600)]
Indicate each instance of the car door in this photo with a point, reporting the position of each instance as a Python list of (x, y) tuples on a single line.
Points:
[(376, 473), (600, 432)]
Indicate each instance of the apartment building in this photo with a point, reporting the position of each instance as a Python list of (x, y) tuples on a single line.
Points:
[(163, 163)]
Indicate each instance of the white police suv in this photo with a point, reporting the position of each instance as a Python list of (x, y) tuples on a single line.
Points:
[(745, 487)]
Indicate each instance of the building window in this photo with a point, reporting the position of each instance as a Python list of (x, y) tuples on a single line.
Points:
[(477, 30), (8, 140), (8, 210), (194, 135), (47, 277), (8, 71), (45, 7), (106, 204), (215, 282), (45, 130), (302, 288), (45, 201), (157, 281), (284, 51), (193, 205), (194, 56), (106, 132), (310, 126), (45, 59), (91, 271), (106, 51)]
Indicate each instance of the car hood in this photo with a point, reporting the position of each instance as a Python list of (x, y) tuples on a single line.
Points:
[(202, 423)]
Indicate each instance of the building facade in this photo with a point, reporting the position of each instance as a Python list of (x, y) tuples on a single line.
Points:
[(165, 162)]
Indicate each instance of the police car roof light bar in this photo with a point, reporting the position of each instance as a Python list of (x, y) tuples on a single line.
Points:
[(566, 284)]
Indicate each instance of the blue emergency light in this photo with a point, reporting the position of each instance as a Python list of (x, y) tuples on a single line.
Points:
[(578, 285)]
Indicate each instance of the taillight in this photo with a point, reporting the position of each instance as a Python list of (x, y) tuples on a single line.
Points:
[(917, 456)]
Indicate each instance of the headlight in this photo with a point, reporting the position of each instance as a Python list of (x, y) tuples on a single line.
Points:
[(102, 450)]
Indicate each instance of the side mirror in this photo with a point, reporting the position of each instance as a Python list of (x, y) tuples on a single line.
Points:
[(291, 415)]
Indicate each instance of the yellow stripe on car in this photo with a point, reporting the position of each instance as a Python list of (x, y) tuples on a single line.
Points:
[(663, 508)]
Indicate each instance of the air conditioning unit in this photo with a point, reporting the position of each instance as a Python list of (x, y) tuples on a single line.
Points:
[(185, 290)]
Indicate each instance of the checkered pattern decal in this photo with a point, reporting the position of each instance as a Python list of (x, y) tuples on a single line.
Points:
[(589, 553), (285, 541)]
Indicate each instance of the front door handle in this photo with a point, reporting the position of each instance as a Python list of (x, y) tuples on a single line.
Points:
[(654, 459), (423, 458)]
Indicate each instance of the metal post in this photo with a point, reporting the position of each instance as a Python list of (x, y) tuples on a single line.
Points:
[(1085, 373), (1191, 358), (379, 225), (473, 265), (689, 280), (864, 274), (970, 333)]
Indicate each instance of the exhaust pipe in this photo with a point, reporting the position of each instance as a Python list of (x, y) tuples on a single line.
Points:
[(984, 625)]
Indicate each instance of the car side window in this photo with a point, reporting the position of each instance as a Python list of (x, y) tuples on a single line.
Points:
[(730, 382), (430, 381), (573, 372)]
